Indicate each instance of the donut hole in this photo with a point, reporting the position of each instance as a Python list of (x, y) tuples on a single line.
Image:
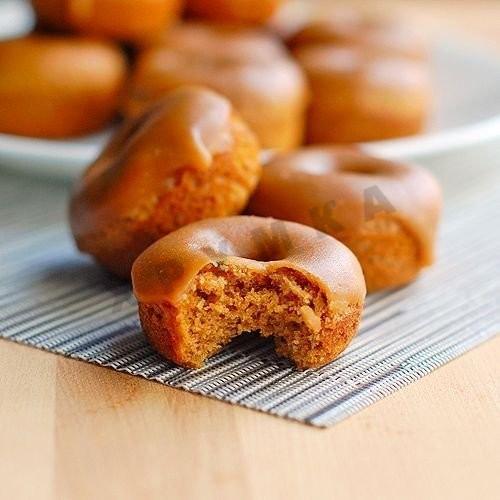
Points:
[(272, 254), (360, 166), (225, 301)]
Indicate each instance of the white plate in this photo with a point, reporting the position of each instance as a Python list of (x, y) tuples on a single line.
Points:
[(467, 112)]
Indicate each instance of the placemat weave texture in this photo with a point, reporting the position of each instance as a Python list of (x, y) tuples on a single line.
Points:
[(55, 299)]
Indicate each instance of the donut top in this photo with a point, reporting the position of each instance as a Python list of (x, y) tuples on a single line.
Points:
[(371, 68), (339, 189), (381, 35), (186, 128), (165, 270)]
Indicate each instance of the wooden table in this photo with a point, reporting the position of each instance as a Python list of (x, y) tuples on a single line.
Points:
[(71, 430)]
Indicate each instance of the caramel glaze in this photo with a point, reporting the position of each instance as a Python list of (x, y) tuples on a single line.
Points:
[(189, 127), (251, 69), (164, 271), (335, 188)]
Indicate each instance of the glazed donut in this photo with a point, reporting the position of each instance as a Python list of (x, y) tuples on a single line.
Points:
[(187, 158), (208, 282), (351, 27), (387, 213), (250, 68), (362, 95), (125, 20), (58, 86), (233, 11)]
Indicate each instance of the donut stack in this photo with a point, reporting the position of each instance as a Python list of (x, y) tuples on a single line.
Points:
[(218, 241)]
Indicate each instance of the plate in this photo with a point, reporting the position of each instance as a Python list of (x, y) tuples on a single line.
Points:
[(466, 111)]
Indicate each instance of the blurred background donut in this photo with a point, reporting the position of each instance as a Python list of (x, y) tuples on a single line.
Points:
[(249, 67), (125, 20), (359, 94), (58, 86)]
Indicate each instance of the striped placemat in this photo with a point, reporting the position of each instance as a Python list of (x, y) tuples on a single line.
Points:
[(55, 299)]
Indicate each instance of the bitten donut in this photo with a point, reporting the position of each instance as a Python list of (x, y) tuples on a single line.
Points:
[(387, 213), (250, 68), (125, 20), (208, 282), (187, 158), (58, 86), (233, 11), (363, 95)]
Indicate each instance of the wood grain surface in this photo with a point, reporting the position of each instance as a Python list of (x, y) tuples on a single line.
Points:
[(70, 430)]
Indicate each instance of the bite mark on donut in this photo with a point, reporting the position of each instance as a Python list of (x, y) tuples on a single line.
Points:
[(225, 300)]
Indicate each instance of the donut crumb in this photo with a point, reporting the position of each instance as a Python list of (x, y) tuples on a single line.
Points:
[(226, 300)]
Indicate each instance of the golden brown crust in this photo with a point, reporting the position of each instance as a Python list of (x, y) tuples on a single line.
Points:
[(251, 69), (233, 11), (190, 157), (363, 95), (160, 324), (125, 20), (386, 213), (45, 91), (208, 282)]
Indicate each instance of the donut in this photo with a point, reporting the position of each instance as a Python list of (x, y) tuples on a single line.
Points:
[(124, 20), (233, 11), (387, 213), (187, 158), (251, 69), (363, 95), (58, 86), (351, 27), (210, 281)]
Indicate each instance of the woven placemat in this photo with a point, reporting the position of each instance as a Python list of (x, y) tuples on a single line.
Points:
[(55, 299)]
